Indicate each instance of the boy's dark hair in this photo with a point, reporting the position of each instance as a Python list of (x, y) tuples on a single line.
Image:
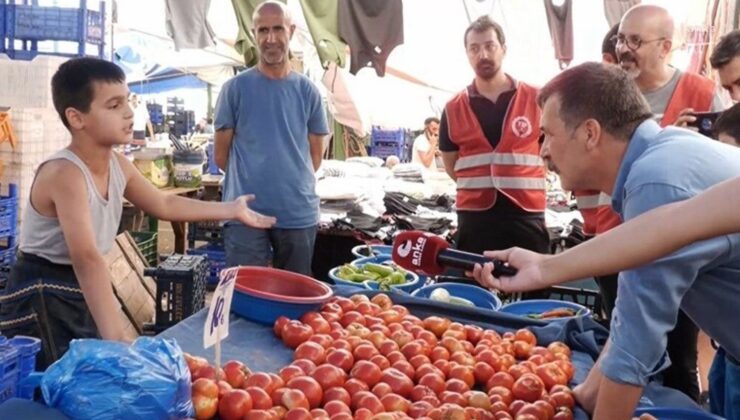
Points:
[(729, 123), (483, 24), (726, 49), (605, 93), (72, 84), (609, 44), (431, 120)]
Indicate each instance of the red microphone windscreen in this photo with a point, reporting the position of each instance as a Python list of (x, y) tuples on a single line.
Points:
[(417, 252)]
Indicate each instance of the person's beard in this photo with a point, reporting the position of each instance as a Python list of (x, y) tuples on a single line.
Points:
[(486, 69), (628, 62)]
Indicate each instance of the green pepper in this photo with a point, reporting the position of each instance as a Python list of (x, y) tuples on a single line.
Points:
[(373, 276), (359, 278), (383, 270), (397, 278)]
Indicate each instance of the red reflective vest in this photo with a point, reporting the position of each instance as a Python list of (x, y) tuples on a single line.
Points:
[(598, 216), (514, 168), (692, 91)]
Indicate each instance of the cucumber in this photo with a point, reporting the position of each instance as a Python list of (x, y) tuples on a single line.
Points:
[(461, 301)]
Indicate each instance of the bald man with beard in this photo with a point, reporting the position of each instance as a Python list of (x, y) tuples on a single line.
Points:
[(644, 45)]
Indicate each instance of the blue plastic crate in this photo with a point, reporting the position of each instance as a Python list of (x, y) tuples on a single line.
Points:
[(387, 136), (8, 371), (28, 348), (7, 258), (216, 255), (9, 211), (383, 150), (24, 25)]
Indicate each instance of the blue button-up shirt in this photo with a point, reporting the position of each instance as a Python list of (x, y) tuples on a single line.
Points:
[(662, 166)]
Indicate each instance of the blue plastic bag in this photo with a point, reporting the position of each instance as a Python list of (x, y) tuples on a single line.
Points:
[(99, 379)]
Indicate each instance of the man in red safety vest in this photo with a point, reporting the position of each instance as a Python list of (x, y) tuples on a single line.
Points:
[(488, 137)]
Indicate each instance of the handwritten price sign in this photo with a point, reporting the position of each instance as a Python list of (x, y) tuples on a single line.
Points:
[(217, 322)]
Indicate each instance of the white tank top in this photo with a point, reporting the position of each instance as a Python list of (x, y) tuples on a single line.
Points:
[(42, 236)]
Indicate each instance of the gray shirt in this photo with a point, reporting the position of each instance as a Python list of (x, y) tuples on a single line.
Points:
[(42, 235), (658, 98)]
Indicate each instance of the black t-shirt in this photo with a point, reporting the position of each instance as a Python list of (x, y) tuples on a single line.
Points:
[(490, 116)]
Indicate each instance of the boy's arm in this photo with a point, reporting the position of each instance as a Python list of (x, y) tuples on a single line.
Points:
[(73, 212), (180, 209)]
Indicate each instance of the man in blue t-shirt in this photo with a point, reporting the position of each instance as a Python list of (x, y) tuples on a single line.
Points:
[(270, 127)]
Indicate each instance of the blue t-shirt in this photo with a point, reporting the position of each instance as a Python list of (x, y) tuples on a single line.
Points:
[(662, 166), (270, 155)]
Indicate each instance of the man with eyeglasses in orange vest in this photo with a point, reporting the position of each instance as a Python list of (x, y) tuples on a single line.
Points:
[(643, 48), (489, 142)]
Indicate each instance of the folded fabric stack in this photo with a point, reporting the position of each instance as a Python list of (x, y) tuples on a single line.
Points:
[(411, 172)]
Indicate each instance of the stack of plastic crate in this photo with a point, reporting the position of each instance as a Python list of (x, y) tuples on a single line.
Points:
[(8, 222), (17, 362), (385, 142), (28, 30)]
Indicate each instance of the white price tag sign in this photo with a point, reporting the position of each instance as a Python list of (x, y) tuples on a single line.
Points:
[(217, 321)]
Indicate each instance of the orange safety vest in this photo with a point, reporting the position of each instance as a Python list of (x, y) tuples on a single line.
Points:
[(514, 168), (598, 216), (692, 91)]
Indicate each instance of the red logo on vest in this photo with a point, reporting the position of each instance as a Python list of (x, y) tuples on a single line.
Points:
[(521, 126)]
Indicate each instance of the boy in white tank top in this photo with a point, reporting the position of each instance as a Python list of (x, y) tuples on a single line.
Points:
[(60, 287)]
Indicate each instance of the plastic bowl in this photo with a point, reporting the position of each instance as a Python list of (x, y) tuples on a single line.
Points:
[(361, 251), (263, 294), (526, 307), (667, 413), (480, 297), (412, 280)]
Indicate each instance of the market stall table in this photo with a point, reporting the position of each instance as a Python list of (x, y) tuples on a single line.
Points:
[(256, 346)]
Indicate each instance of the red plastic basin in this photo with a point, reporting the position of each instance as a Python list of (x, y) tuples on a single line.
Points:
[(281, 286)]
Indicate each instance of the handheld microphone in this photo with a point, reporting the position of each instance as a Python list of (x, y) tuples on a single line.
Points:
[(424, 253)]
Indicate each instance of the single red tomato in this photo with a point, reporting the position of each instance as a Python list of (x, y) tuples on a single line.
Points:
[(528, 387)]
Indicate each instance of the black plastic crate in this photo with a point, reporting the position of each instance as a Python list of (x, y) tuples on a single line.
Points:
[(181, 288), (204, 231), (586, 297)]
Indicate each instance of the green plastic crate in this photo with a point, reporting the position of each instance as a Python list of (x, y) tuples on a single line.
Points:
[(147, 243)]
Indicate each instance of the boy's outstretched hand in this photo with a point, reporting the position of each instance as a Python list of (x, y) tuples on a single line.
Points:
[(529, 276), (250, 217)]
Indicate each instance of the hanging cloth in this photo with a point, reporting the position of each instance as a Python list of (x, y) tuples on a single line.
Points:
[(615, 9), (560, 21), (187, 24), (323, 23), (371, 28)]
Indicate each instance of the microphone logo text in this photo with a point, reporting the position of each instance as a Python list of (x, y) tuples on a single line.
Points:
[(417, 250)]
